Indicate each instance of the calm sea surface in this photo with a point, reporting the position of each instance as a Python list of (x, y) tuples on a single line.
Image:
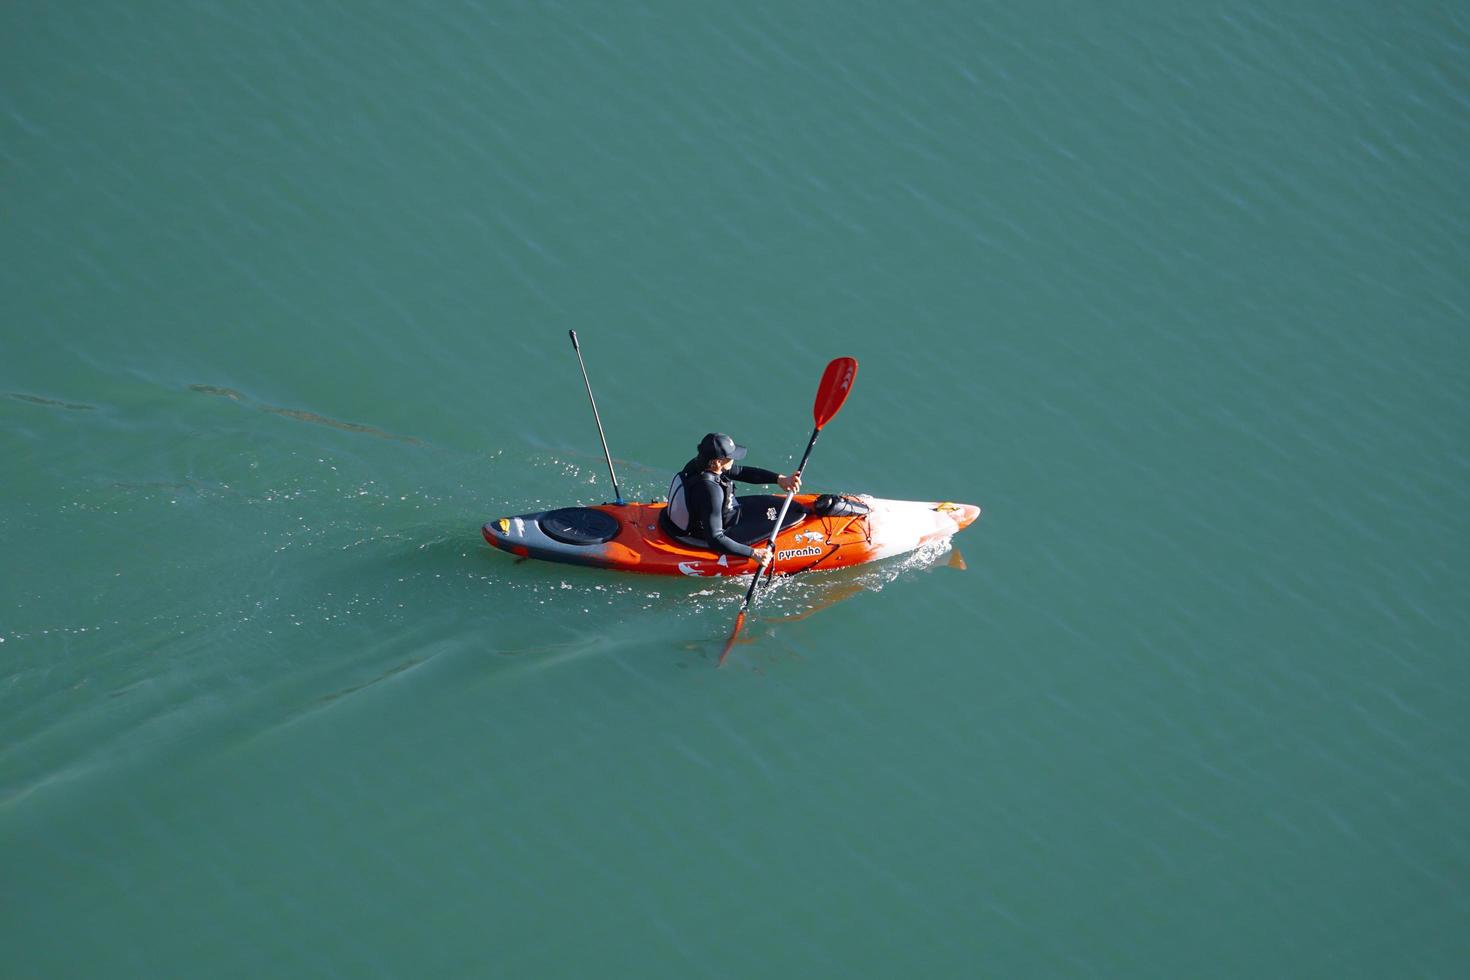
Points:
[(1179, 296)]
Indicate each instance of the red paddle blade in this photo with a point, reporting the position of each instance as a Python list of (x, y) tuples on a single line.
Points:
[(739, 622), (835, 387)]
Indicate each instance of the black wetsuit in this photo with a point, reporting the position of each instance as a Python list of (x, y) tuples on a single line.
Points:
[(710, 500)]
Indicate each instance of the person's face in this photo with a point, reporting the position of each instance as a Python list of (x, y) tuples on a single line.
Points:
[(722, 464)]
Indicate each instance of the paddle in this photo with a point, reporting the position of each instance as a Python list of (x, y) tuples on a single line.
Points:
[(833, 390)]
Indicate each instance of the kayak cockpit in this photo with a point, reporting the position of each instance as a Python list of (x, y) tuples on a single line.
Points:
[(757, 516)]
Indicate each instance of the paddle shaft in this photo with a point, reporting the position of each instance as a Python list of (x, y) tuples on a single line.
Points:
[(598, 418), (832, 392), (785, 506)]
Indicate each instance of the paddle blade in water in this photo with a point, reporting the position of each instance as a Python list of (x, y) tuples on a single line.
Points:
[(739, 622), (835, 387)]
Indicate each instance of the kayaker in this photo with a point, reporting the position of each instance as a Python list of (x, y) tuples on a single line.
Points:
[(702, 502)]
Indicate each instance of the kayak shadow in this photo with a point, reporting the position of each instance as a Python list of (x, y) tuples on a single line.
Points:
[(842, 584), (791, 600), (710, 601)]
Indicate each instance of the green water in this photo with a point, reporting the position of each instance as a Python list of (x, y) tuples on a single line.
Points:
[(1178, 296)]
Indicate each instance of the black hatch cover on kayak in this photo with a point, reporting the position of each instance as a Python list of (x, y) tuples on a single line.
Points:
[(579, 525)]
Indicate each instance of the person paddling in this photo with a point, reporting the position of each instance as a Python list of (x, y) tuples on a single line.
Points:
[(702, 502)]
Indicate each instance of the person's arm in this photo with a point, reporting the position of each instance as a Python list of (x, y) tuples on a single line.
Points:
[(755, 474), (708, 497), (752, 474)]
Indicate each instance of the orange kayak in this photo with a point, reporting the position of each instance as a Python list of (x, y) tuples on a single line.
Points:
[(631, 537)]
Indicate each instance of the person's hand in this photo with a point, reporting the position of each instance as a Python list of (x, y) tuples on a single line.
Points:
[(763, 556), (791, 483)]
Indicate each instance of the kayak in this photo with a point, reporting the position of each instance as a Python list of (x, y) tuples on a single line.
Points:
[(819, 532)]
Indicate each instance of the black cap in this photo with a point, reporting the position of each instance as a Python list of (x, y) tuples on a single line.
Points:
[(717, 445)]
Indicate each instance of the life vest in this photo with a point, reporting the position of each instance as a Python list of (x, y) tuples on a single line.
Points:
[(677, 513)]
